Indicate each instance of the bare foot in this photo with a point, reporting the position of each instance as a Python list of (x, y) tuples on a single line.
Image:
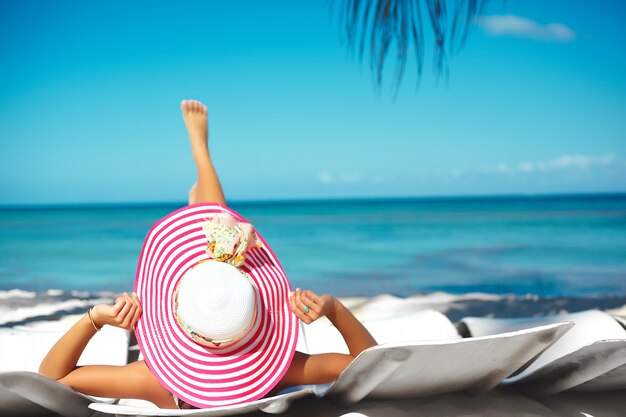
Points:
[(196, 120)]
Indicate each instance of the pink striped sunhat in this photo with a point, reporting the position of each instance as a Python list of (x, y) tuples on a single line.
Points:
[(216, 327)]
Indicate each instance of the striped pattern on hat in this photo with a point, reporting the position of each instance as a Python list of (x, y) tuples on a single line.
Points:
[(201, 376)]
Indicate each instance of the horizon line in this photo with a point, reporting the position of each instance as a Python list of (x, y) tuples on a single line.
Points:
[(313, 201)]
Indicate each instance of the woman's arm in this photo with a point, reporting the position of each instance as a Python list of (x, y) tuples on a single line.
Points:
[(322, 368), (352, 330), (134, 380), (62, 358)]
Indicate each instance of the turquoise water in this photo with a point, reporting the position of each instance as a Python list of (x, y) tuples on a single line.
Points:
[(574, 246)]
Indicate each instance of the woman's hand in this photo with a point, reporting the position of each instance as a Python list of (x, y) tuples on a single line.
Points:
[(124, 313), (309, 306)]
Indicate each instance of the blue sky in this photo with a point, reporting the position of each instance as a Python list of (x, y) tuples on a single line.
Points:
[(90, 93)]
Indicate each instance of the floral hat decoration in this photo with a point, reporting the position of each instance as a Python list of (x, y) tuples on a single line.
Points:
[(216, 327)]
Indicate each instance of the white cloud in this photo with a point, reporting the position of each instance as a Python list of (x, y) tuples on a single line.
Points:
[(501, 168), (563, 162), (350, 177), (526, 167), (501, 25), (325, 177), (581, 161)]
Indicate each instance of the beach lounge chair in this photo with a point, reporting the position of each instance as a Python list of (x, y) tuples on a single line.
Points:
[(422, 355), (403, 369), (590, 357)]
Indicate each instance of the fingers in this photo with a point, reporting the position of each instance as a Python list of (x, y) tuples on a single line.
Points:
[(133, 313), (315, 309), (128, 311), (138, 311), (298, 308), (314, 297), (119, 304), (304, 306), (125, 308)]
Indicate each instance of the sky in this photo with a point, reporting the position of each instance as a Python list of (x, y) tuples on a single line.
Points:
[(535, 103)]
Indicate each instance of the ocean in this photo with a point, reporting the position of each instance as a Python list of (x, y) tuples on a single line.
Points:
[(558, 246)]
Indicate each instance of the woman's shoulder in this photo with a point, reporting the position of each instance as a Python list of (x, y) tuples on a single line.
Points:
[(142, 377)]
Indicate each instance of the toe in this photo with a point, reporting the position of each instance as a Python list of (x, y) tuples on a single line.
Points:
[(193, 106)]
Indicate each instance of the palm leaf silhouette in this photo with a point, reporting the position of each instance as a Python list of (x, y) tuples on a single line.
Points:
[(383, 24)]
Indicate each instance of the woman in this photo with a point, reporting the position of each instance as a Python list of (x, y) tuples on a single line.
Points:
[(137, 380)]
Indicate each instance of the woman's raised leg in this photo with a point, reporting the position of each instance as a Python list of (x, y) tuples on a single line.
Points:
[(207, 188)]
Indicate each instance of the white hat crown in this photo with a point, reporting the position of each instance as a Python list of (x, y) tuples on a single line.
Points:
[(215, 304)]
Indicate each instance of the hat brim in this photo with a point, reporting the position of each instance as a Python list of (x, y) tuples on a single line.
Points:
[(201, 376)]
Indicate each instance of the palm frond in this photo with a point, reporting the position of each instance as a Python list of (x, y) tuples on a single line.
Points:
[(399, 23)]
